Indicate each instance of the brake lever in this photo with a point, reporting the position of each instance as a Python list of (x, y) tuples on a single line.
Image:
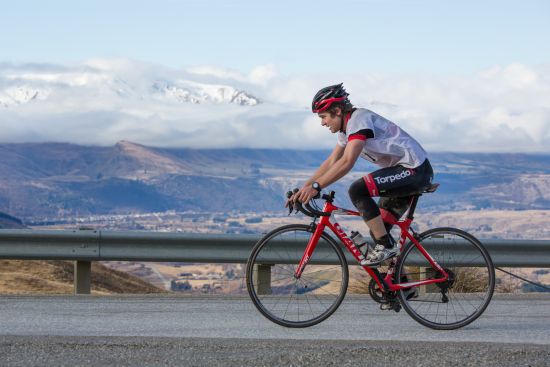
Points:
[(291, 206), (290, 209)]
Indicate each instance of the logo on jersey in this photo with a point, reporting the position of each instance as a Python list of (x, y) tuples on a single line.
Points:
[(393, 178)]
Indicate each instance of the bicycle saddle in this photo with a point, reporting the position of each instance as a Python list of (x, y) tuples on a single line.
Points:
[(431, 188)]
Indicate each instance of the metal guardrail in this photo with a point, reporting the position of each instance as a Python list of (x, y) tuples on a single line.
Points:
[(85, 246)]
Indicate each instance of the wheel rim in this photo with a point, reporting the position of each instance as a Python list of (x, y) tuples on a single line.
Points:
[(287, 300), (460, 299)]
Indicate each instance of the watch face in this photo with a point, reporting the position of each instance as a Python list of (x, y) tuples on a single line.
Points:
[(316, 186)]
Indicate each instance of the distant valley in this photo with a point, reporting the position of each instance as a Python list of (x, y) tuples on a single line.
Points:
[(131, 186), (54, 180)]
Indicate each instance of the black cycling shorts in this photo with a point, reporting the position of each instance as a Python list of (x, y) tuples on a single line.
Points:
[(394, 185), (399, 181)]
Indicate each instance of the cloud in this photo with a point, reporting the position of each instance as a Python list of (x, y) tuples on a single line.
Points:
[(503, 108)]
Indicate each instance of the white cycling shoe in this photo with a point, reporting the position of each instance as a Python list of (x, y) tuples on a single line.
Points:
[(380, 254)]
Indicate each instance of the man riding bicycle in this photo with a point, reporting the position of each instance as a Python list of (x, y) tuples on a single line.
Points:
[(361, 132)]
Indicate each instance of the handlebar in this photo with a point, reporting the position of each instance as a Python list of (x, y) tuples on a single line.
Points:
[(306, 209)]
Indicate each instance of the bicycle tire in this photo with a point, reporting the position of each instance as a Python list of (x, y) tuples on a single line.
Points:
[(319, 291), (470, 288)]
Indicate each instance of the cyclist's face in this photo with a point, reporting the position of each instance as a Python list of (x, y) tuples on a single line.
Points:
[(333, 122)]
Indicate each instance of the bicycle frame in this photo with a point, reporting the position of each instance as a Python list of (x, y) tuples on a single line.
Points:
[(387, 283)]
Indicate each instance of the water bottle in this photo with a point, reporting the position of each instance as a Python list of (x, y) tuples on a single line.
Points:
[(359, 241)]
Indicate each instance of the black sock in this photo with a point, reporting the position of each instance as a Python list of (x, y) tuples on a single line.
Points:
[(385, 240)]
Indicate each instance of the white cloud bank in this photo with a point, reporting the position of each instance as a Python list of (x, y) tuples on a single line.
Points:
[(504, 108)]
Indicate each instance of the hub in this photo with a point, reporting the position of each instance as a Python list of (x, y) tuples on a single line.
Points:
[(448, 284)]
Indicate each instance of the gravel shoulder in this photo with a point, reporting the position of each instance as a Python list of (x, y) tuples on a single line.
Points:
[(139, 351)]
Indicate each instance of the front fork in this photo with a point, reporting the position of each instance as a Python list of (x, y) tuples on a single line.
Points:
[(313, 240)]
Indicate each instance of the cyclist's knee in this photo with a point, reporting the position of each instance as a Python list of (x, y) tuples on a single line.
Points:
[(360, 197), (357, 190), (368, 209)]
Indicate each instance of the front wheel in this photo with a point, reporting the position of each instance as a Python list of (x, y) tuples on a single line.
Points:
[(290, 301), (460, 299)]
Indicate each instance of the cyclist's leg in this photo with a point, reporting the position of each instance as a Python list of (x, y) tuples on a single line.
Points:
[(395, 181), (361, 197), (399, 181), (397, 206), (398, 200), (386, 182), (365, 204)]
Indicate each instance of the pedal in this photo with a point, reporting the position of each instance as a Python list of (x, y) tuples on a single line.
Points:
[(396, 306)]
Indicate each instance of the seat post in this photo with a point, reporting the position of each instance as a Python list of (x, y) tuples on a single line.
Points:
[(412, 206)]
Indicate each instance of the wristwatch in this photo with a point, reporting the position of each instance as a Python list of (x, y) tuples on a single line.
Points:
[(316, 186)]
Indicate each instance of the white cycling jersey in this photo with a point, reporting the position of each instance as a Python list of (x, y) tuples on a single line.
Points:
[(387, 145)]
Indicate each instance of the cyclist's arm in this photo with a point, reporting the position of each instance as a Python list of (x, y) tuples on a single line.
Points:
[(343, 165), (336, 154), (336, 171)]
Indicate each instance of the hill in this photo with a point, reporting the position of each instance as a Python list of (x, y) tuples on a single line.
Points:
[(56, 277), (47, 180), (7, 221)]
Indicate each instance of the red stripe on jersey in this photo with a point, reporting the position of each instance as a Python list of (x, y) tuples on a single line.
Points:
[(371, 186), (357, 137)]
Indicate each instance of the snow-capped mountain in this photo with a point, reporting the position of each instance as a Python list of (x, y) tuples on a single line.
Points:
[(102, 101), (21, 94), (25, 85), (192, 92)]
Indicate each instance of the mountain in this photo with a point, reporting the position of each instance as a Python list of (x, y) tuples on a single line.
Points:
[(192, 92), (59, 180), (23, 85)]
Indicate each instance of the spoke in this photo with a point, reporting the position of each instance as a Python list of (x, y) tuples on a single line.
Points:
[(310, 309), (317, 298), (320, 279), (454, 310), (329, 269), (301, 300), (464, 267), (291, 294), (416, 300)]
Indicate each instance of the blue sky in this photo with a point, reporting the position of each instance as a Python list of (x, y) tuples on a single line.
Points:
[(458, 75), (448, 37)]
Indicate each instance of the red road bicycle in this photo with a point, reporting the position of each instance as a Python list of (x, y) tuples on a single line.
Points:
[(297, 275)]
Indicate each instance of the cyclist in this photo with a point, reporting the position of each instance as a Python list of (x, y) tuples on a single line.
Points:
[(405, 168)]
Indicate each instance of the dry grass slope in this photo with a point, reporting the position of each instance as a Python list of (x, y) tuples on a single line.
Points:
[(56, 277)]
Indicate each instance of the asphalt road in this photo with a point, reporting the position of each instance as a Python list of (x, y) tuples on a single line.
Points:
[(169, 330)]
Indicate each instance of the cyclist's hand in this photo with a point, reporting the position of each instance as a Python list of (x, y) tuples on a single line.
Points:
[(291, 199), (306, 193)]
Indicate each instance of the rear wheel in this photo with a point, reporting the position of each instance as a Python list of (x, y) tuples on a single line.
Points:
[(281, 297), (464, 296)]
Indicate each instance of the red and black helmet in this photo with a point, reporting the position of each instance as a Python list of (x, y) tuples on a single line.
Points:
[(327, 96)]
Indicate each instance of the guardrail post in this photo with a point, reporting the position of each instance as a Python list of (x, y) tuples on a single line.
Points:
[(82, 277), (262, 279), (428, 288)]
